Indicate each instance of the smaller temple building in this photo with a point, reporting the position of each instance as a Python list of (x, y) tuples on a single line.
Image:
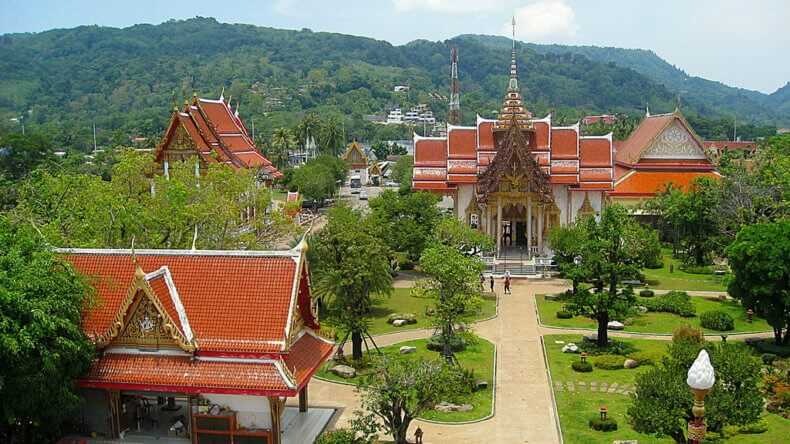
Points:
[(358, 162), (210, 131), (203, 346)]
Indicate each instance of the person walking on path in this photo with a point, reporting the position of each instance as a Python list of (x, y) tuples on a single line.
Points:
[(491, 281), (482, 282), (507, 284)]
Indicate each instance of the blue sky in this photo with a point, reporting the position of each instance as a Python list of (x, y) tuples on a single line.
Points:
[(741, 43)]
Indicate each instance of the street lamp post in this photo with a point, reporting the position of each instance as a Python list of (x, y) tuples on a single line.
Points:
[(700, 379)]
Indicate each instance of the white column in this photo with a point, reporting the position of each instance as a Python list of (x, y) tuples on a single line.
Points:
[(498, 225), (529, 226), (167, 170), (540, 230)]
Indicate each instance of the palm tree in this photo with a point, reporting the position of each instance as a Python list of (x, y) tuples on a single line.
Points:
[(281, 143), (332, 138)]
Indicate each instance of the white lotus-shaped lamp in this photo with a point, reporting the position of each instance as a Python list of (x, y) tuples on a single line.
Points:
[(701, 375)]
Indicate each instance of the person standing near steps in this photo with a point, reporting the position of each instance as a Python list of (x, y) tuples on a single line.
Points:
[(507, 284), (491, 282)]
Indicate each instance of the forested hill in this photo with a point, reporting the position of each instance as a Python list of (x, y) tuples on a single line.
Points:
[(127, 80), (706, 95)]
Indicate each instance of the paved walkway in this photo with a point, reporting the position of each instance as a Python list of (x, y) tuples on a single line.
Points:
[(524, 408)]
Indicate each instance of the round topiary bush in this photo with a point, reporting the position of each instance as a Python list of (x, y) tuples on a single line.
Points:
[(717, 320), (768, 358), (609, 362), (564, 314), (603, 425), (646, 293), (457, 344), (582, 367)]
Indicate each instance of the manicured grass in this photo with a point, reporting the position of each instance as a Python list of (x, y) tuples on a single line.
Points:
[(478, 357), (401, 301), (577, 407), (659, 323), (662, 279), (279, 194)]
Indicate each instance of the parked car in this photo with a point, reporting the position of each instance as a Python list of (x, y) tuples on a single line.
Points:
[(355, 191), (391, 183), (363, 195)]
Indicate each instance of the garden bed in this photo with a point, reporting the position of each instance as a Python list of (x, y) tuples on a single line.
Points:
[(478, 357), (657, 322), (662, 279)]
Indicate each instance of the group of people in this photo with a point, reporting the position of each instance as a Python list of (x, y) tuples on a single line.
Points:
[(491, 282)]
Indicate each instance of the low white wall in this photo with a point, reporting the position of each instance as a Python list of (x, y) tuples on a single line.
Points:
[(251, 411)]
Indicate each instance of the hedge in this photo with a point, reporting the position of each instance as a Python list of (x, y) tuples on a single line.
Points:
[(678, 302), (582, 367), (609, 362), (603, 425), (717, 320)]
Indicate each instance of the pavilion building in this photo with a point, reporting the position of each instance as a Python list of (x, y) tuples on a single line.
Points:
[(516, 177), (209, 131), (200, 345)]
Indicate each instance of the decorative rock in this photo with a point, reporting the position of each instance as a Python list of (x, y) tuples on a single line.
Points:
[(641, 309), (627, 441), (552, 297), (406, 349), (630, 363), (399, 322), (615, 325), (481, 385), (344, 371), (447, 407), (408, 318), (570, 348), (559, 342)]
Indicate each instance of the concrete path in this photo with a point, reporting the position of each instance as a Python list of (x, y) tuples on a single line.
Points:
[(524, 408)]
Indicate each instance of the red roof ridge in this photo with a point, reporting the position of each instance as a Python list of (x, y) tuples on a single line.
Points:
[(294, 253), (164, 273)]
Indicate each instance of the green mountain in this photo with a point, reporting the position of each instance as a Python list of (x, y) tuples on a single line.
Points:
[(127, 81)]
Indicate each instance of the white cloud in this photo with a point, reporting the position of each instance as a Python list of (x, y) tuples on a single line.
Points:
[(449, 6), (544, 21)]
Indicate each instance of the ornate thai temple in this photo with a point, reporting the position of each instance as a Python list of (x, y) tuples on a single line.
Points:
[(515, 177), (201, 345), (211, 131)]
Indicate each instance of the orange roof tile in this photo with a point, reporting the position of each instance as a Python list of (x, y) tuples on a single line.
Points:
[(564, 143), (462, 143), (541, 134), (432, 186), (564, 178), (461, 178), (306, 356), (485, 134), (235, 302), (430, 152), (648, 183), (595, 174), (595, 152)]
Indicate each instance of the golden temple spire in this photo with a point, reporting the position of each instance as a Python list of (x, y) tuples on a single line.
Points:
[(513, 109)]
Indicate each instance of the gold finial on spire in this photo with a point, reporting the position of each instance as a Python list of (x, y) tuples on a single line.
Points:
[(514, 33), (138, 271)]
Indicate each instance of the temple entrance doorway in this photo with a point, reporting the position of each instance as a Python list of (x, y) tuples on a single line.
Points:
[(521, 234)]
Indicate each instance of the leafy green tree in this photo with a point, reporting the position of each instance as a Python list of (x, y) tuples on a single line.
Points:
[(349, 265), (400, 390), (319, 178), (20, 154), (453, 283), (402, 172), (452, 232), (610, 250), (42, 347), (690, 219), (760, 262), (662, 402), (381, 150), (332, 138), (282, 142), (405, 222), (568, 242)]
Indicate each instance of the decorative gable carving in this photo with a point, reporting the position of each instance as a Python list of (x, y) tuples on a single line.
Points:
[(675, 142), (181, 145)]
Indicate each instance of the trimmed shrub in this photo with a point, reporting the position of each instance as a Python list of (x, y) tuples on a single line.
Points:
[(609, 362), (646, 358), (645, 293), (614, 348), (687, 333), (457, 343), (582, 367), (768, 358), (754, 428), (768, 346), (339, 436), (717, 320), (603, 425), (564, 314), (678, 302), (697, 269)]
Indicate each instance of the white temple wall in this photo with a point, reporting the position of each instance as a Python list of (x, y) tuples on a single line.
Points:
[(560, 193), (577, 199), (465, 195), (251, 411)]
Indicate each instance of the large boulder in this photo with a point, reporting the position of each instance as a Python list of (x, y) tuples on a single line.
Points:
[(447, 407), (399, 322), (641, 309), (570, 348), (344, 371), (630, 363), (615, 325), (408, 318), (481, 385), (406, 349)]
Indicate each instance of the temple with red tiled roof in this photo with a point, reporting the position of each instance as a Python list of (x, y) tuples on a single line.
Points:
[(211, 342), (210, 131), (515, 177)]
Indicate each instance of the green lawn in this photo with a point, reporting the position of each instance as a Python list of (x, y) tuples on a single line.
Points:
[(578, 406), (659, 323), (662, 279), (401, 301), (478, 357), (279, 194)]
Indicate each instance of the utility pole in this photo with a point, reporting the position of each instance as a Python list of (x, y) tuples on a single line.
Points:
[(94, 137), (735, 129), (253, 130)]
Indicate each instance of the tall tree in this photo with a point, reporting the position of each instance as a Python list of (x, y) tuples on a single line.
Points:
[(405, 222), (281, 144), (332, 137), (42, 347), (349, 264), (20, 154), (400, 390), (760, 261), (611, 250), (453, 284)]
